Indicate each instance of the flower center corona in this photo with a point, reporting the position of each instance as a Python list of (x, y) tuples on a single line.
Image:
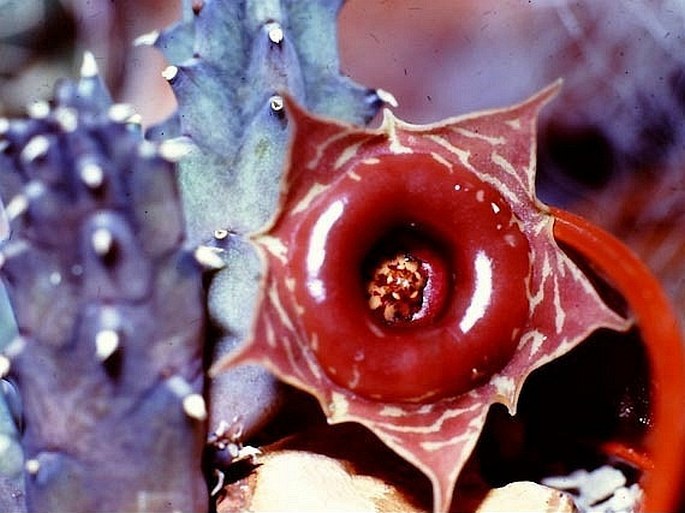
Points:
[(407, 277), (396, 288)]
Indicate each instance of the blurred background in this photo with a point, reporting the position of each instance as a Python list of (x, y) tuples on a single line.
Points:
[(612, 145)]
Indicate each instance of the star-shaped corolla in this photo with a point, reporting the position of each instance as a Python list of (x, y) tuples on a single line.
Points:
[(412, 279)]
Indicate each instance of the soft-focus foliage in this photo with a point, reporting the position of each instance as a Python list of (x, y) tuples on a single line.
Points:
[(109, 308)]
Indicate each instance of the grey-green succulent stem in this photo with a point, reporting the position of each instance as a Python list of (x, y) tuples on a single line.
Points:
[(243, 56)]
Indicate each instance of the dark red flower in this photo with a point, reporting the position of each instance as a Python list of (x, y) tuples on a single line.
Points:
[(412, 279)]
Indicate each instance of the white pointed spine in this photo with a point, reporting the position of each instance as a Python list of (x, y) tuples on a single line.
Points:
[(106, 344), (174, 150), (32, 466), (5, 365), (195, 407), (169, 73), (89, 67), (276, 103), (209, 257), (92, 175), (38, 110), (67, 118), (16, 206), (387, 97), (37, 147), (193, 404), (148, 39), (102, 241), (220, 234), (121, 112), (275, 32)]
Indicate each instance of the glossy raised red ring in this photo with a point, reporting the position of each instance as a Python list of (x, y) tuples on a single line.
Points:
[(467, 224)]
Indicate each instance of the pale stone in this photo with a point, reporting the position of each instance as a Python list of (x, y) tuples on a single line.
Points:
[(525, 496), (302, 481)]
